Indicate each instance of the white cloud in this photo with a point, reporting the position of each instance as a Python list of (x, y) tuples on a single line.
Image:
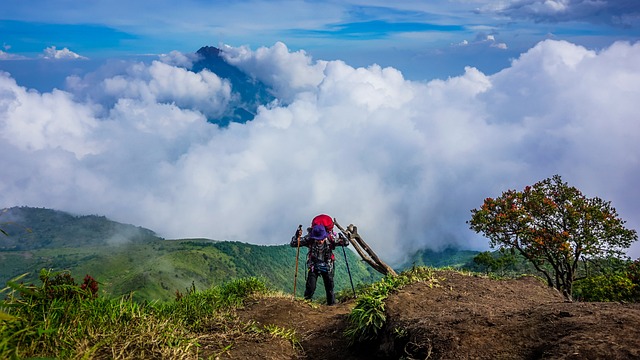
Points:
[(405, 161), (34, 121), (9, 56), (64, 54), (288, 73), (157, 83), (177, 58), (483, 39)]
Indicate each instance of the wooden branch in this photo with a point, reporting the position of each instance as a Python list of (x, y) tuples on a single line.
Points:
[(360, 252), (365, 252), (356, 246), (366, 258)]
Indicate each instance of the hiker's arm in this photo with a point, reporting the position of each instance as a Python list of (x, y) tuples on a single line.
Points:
[(304, 240), (342, 240), (294, 240)]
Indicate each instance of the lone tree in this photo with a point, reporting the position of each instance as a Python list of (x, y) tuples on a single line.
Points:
[(553, 223)]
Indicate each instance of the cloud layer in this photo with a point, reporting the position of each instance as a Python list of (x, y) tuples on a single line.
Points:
[(623, 13), (405, 161)]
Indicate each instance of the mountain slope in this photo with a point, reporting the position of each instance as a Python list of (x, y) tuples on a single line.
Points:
[(146, 265), (128, 259), (37, 228)]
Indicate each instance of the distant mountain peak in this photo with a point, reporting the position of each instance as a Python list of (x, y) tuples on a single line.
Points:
[(207, 51), (251, 93)]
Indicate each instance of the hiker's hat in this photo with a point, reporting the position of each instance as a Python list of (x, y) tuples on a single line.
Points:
[(318, 232)]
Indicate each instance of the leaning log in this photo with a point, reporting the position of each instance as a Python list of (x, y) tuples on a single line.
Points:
[(365, 252)]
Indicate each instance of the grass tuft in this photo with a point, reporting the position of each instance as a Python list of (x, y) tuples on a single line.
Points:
[(62, 320), (284, 333)]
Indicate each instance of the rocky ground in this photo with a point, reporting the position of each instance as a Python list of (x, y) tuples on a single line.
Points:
[(464, 317)]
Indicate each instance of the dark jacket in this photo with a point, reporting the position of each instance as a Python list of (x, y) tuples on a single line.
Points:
[(320, 256)]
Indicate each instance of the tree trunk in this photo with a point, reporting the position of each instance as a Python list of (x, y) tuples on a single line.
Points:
[(365, 252)]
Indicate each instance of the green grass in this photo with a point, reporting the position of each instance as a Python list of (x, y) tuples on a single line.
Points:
[(58, 319)]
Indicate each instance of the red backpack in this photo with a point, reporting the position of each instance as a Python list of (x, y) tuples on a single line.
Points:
[(327, 222), (324, 220)]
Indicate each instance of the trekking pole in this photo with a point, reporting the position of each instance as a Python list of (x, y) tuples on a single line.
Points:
[(348, 270), (295, 278)]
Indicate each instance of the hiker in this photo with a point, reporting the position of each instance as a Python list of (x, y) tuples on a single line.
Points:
[(321, 241)]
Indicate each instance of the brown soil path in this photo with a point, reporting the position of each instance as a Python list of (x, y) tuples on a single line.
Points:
[(318, 328), (464, 317)]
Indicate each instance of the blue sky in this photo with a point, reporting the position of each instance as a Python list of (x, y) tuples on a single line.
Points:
[(398, 118), (424, 39)]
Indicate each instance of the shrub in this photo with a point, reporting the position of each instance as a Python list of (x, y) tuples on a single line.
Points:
[(56, 286), (608, 287), (633, 272)]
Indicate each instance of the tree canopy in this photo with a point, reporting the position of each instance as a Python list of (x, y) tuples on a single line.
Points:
[(553, 223)]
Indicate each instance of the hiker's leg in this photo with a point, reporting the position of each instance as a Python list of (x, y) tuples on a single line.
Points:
[(310, 288), (327, 278)]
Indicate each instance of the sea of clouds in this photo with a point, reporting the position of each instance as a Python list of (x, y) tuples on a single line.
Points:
[(403, 160)]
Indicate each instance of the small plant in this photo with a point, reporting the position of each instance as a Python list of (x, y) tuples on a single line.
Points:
[(56, 286), (399, 332), (312, 304), (284, 333), (190, 290), (368, 316), (90, 285)]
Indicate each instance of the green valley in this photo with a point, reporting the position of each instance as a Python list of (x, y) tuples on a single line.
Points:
[(143, 265)]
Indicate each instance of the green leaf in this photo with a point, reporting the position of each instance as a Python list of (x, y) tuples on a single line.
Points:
[(6, 317)]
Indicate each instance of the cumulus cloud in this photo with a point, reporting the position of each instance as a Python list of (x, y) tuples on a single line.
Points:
[(405, 161), (483, 39), (625, 13), (64, 54), (287, 73), (177, 58), (153, 84)]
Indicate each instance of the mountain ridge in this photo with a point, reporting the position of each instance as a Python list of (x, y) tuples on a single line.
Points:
[(147, 266), (130, 259), (30, 228)]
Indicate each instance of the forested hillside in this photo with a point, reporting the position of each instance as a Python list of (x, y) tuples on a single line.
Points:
[(37, 228), (127, 259), (448, 257)]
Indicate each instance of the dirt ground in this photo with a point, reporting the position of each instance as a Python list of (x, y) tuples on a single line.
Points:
[(465, 317)]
